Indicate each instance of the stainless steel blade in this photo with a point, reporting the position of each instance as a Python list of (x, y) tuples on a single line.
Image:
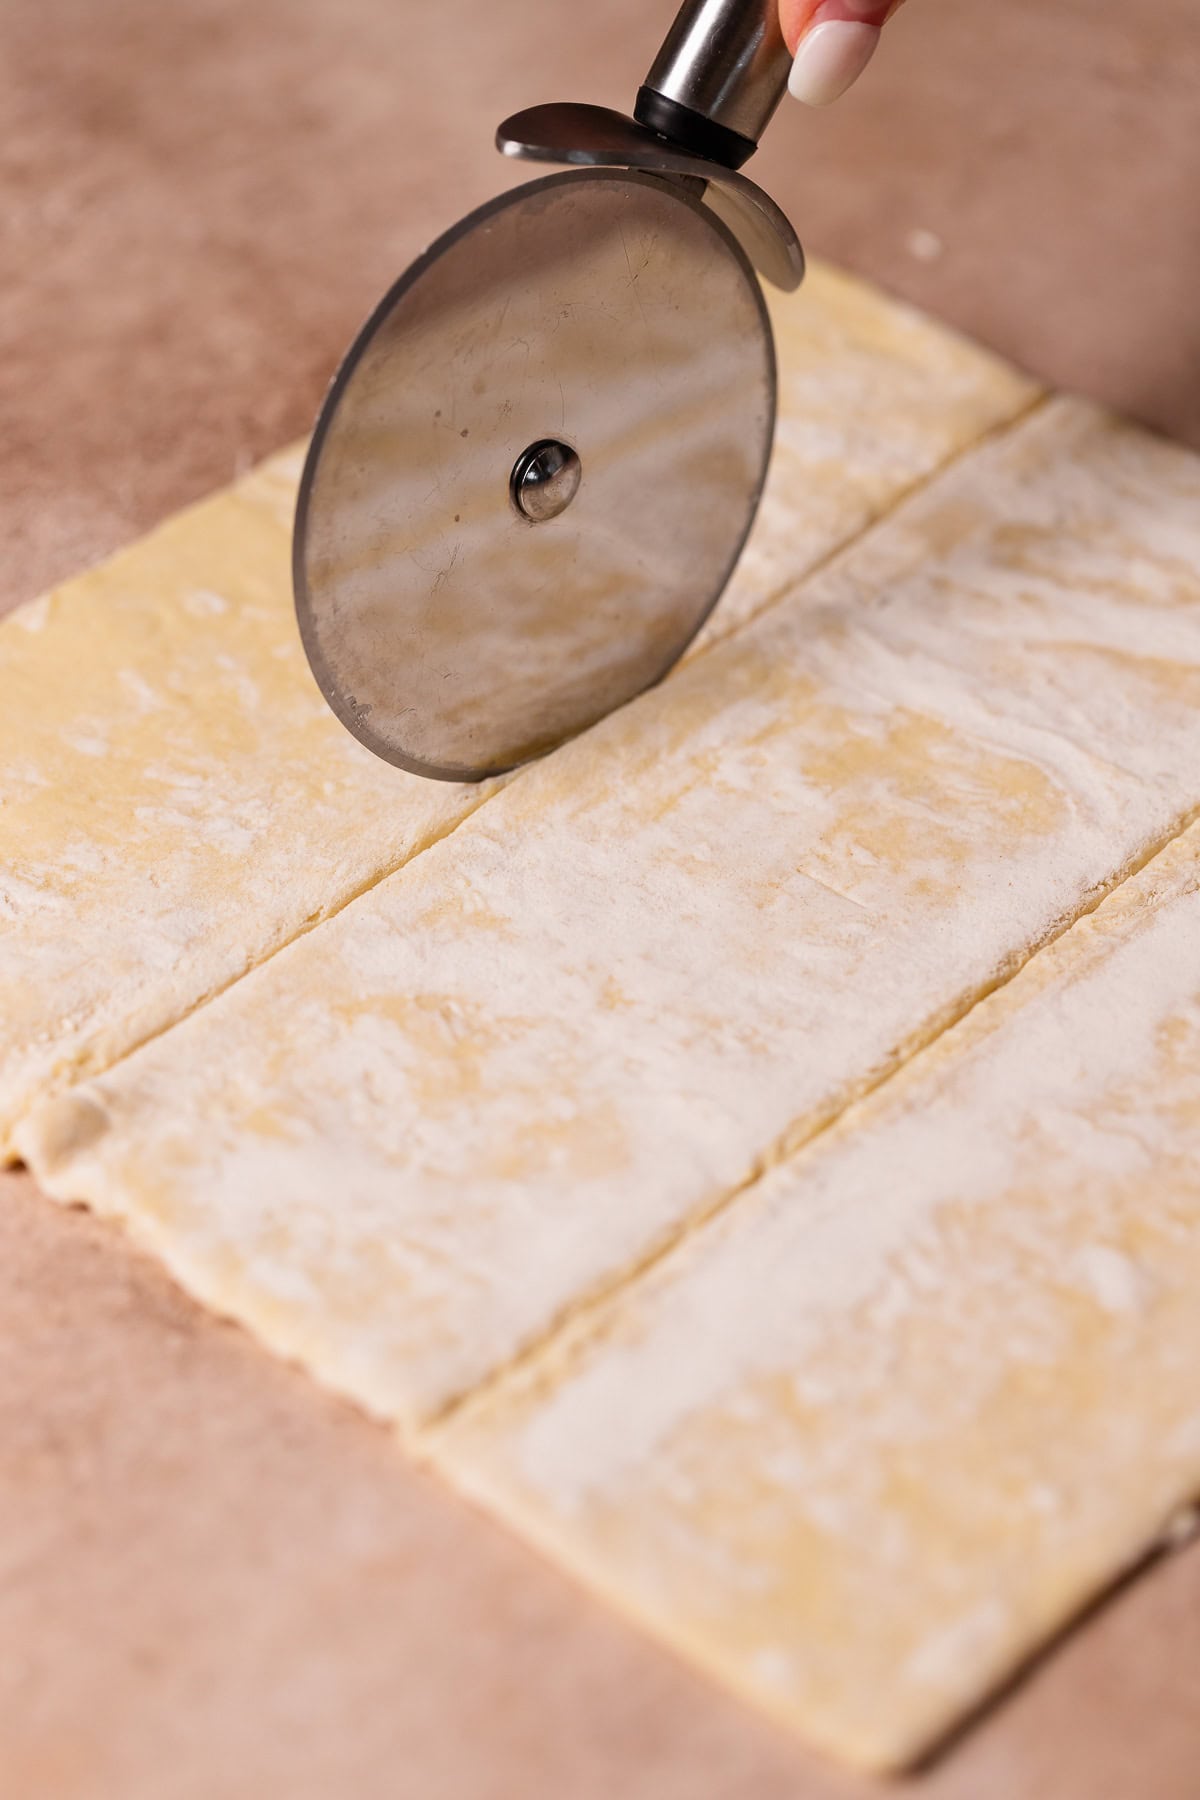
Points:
[(534, 472)]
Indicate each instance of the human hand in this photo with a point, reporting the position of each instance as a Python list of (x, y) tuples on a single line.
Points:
[(832, 41)]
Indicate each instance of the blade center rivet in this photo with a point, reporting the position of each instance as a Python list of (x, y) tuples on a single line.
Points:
[(545, 480)]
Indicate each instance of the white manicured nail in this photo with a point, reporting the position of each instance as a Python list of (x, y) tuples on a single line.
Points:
[(831, 59)]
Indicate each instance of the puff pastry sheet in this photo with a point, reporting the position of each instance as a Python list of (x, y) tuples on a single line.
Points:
[(751, 1150)]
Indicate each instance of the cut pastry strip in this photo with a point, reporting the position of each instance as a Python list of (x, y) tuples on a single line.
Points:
[(873, 396), (869, 1440), (177, 800), (508, 1076)]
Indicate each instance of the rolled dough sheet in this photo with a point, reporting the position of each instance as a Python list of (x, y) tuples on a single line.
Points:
[(877, 1432), (495, 1085), (177, 800)]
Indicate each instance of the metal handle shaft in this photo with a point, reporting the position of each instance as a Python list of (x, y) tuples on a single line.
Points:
[(718, 78)]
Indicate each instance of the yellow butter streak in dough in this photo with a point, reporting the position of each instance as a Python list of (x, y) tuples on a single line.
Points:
[(177, 801), (863, 1444)]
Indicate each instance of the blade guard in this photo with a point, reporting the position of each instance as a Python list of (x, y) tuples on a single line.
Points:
[(597, 137)]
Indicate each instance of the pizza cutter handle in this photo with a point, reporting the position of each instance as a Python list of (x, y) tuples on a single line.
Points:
[(718, 78)]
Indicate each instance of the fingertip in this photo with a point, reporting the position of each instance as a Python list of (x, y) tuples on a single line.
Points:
[(830, 58), (796, 16)]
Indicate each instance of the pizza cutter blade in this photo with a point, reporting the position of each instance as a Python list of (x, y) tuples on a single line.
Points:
[(536, 468)]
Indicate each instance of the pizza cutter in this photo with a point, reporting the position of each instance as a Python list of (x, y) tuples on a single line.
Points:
[(537, 466)]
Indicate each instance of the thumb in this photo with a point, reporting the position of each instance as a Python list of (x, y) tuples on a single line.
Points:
[(832, 41)]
